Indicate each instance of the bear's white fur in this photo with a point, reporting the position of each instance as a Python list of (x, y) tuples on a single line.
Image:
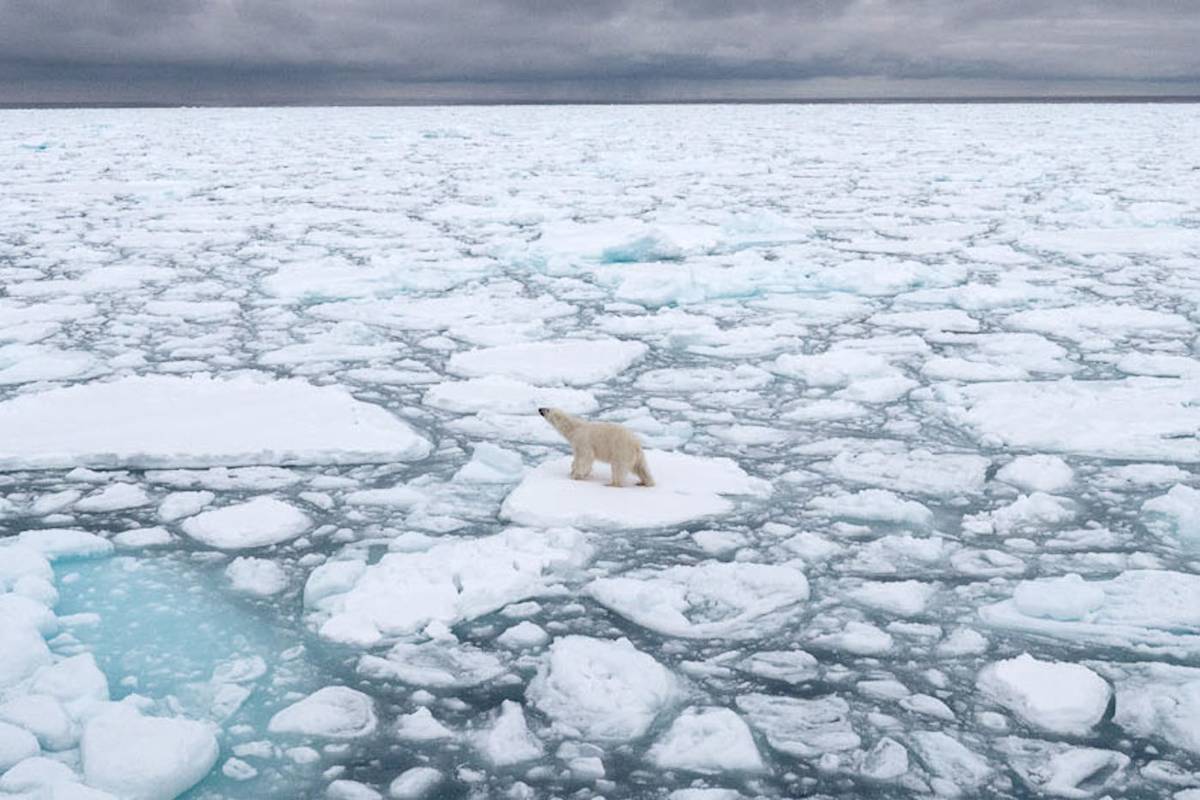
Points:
[(609, 442)]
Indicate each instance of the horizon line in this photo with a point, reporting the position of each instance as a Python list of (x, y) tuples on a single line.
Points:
[(426, 103)]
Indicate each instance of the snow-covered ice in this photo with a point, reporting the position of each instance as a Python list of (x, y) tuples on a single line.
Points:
[(920, 387), (686, 488)]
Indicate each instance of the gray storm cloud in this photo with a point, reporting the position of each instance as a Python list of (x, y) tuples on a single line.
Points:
[(481, 49)]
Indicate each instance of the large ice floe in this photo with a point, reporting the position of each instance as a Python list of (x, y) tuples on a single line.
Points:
[(197, 422), (686, 488), (919, 387)]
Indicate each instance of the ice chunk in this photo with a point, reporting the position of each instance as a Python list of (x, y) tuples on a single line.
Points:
[(1084, 323), (508, 740), (184, 504), (491, 464), (903, 598), (709, 741), (392, 497), (601, 689), (343, 789), (856, 637), (145, 758), (576, 362), (22, 649), (1145, 610), (1035, 512), (61, 543), (142, 537), (420, 726), (19, 561), (453, 581), (916, 471), (335, 712), (435, 664), (44, 717), (1060, 770), (16, 745), (1038, 473), (951, 761), (1159, 701), (874, 504), (255, 523), (886, 761), (1136, 418), (118, 497), (703, 379), (687, 488), (522, 636), (76, 682), (800, 727), (162, 421), (789, 666), (710, 600), (1179, 511), (414, 783), (34, 773), (502, 395), (24, 610), (256, 576), (1056, 696)]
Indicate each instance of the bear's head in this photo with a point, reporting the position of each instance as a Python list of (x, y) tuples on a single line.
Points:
[(563, 422)]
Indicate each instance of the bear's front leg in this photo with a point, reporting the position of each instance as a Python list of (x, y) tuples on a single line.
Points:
[(581, 466)]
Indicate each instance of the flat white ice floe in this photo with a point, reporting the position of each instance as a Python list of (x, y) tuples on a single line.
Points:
[(916, 471), (575, 362), (1159, 701), (1055, 696), (709, 741), (256, 523), (805, 728), (1178, 512), (687, 488), (1152, 611), (710, 600), (602, 690), (145, 758), (453, 581), (874, 505), (335, 712), (1136, 418), (161, 421)]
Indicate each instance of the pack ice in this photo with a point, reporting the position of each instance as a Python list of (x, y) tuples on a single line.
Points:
[(918, 384)]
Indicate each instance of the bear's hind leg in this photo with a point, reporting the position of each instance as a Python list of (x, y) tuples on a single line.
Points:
[(642, 471), (619, 468)]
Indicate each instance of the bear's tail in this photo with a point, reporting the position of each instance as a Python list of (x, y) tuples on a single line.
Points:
[(642, 471)]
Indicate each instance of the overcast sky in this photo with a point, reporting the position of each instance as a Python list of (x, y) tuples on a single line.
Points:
[(249, 51)]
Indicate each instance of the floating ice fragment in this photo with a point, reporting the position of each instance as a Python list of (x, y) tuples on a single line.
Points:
[(508, 740), (256, 576), (799, 727), (687, 488), (601, 689), (436, 665), (162, 421), (414, 783), (1056, 696), (710, 600), (709, 741), (65, 543), (456, 580), (335, 712), (1179, 513), (145, 758), (576, 362), (1039, 473), (256, 523)]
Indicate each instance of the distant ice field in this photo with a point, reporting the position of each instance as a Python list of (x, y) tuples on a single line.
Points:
[(919, 385)]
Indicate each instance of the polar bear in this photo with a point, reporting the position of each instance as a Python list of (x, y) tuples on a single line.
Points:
[(609, 442)]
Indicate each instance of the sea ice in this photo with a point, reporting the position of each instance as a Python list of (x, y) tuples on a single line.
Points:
[(256, 523), (1179, 512), (602, 689), (335, 712), (1055, 696), (575, 362), (145, 758), (709, 741), (508, 740), (805, 728), (160, 421), (452, 581), (1038, 473), (256, 576), (502, 395), (709, 600), (686, 488)]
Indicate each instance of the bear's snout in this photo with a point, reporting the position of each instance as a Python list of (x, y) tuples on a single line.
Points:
[(543, 411)]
